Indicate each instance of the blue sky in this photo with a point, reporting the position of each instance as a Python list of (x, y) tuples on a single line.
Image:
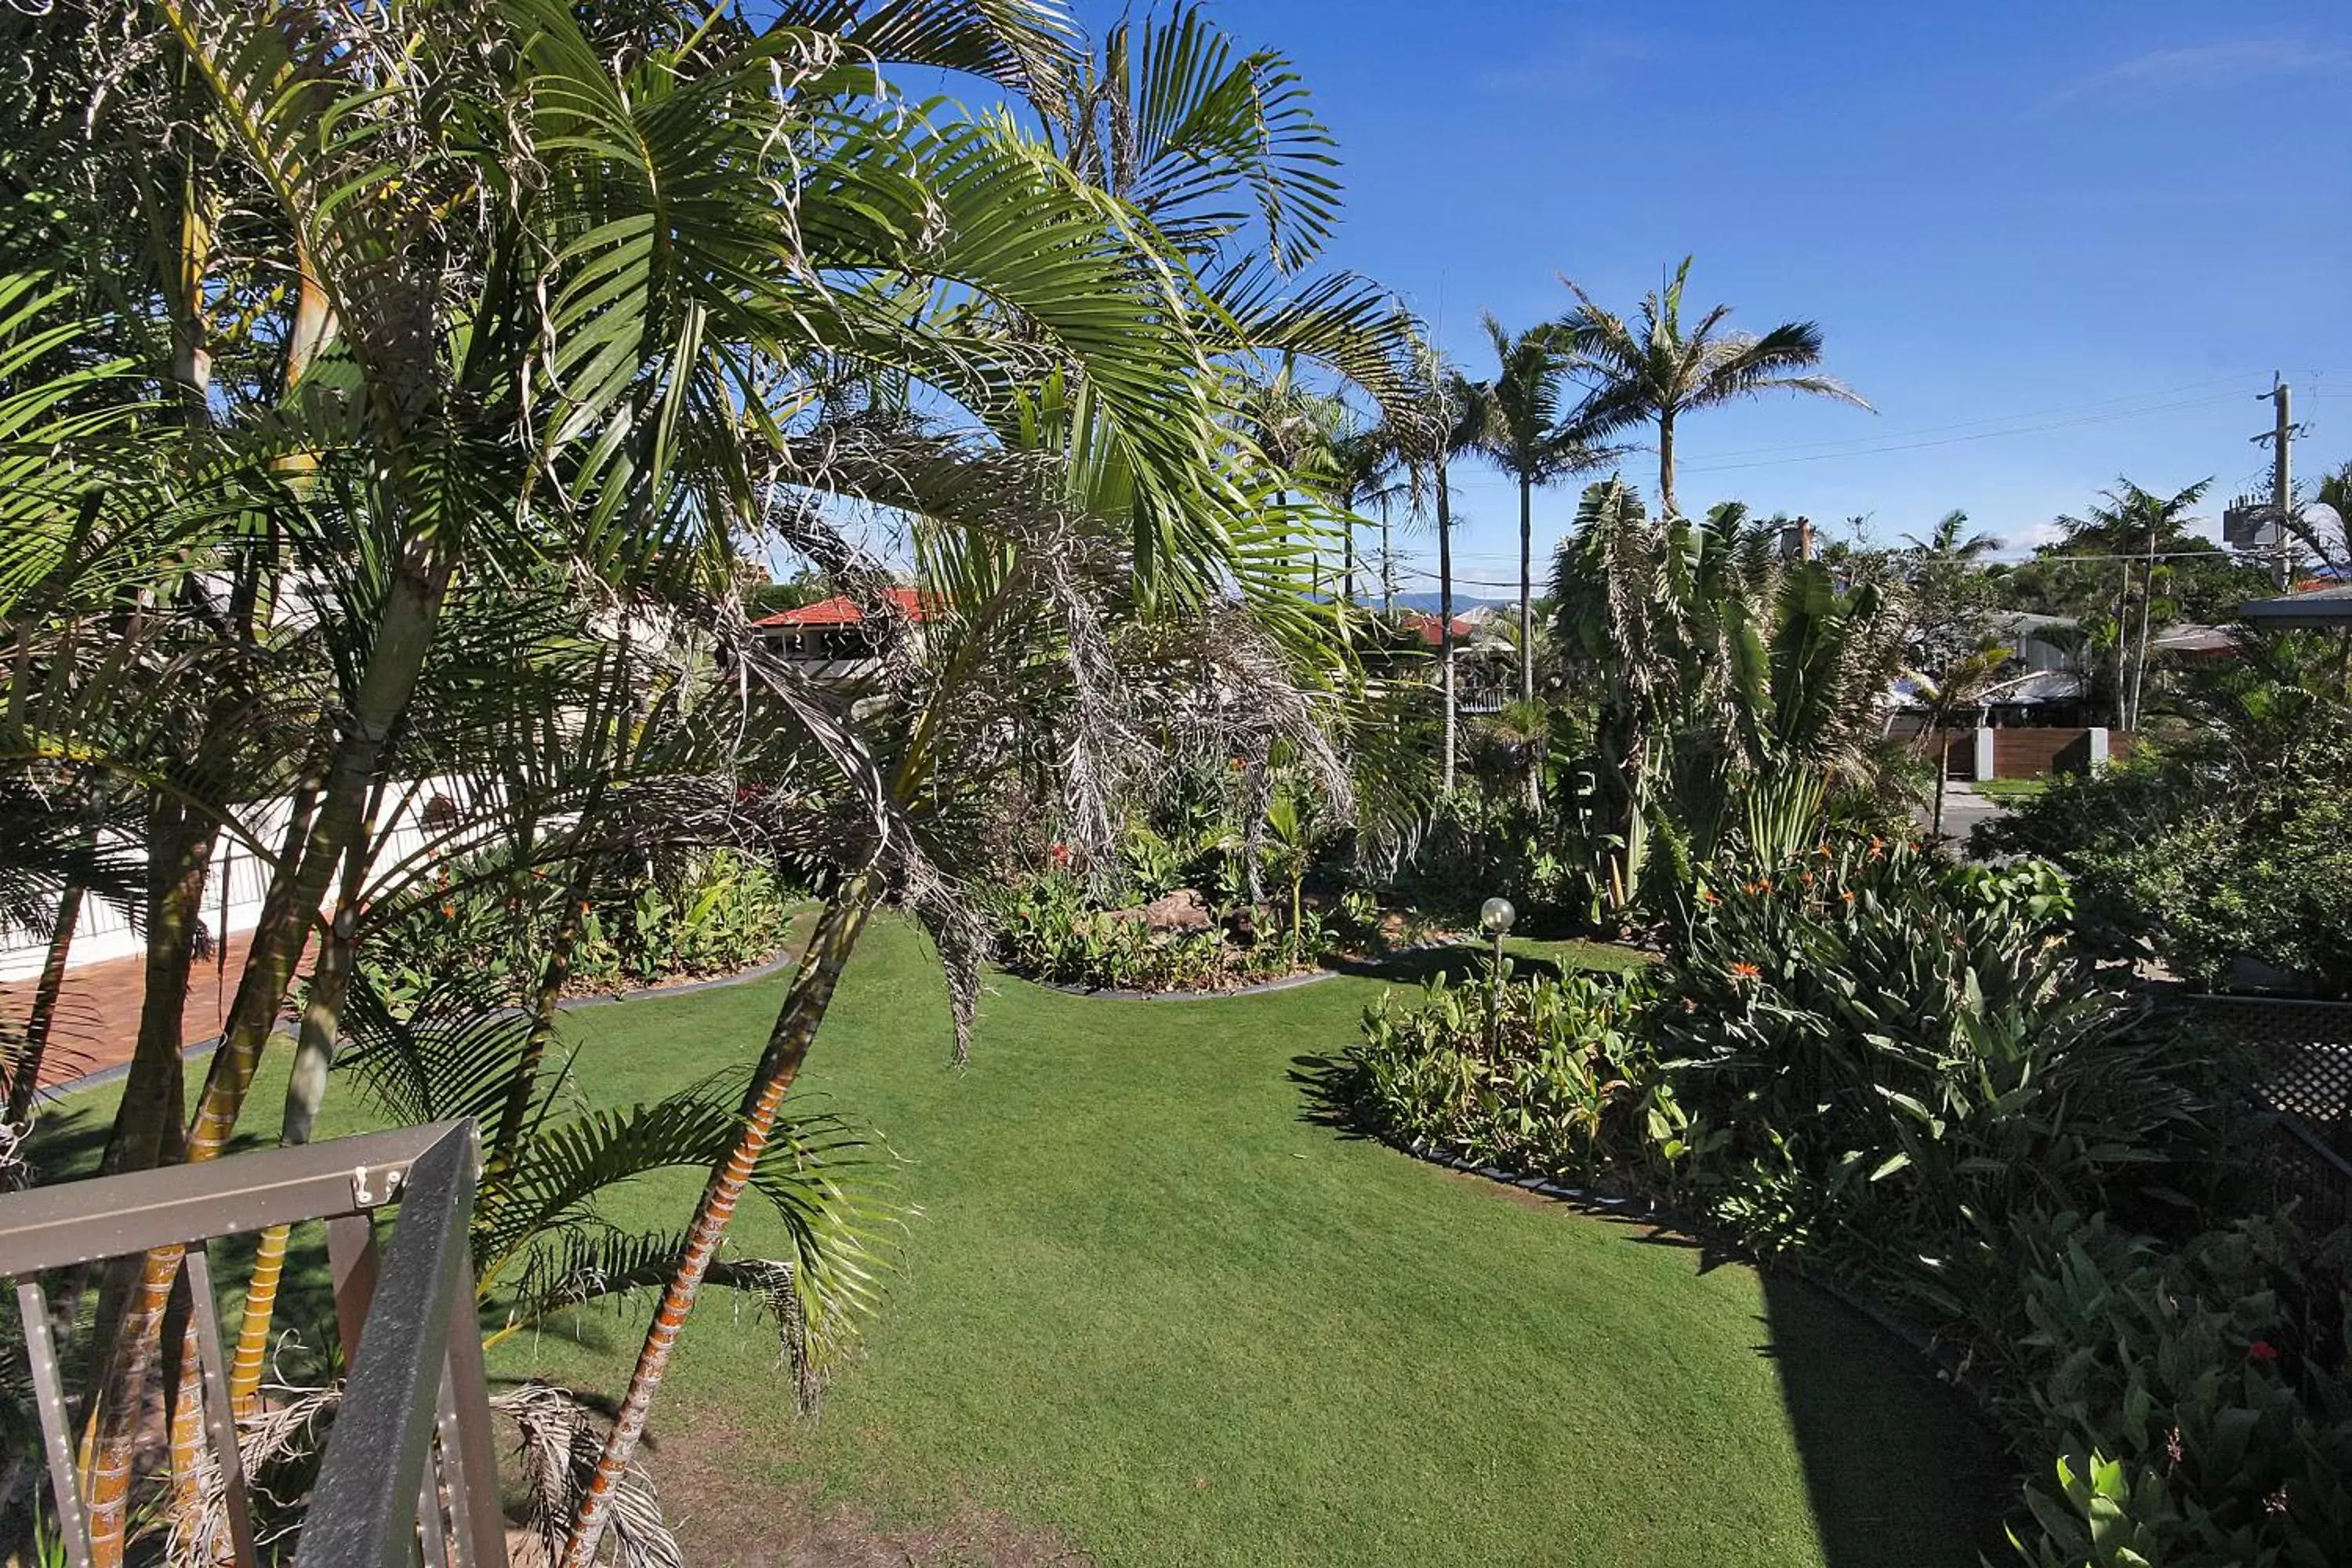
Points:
[(2116, 219)]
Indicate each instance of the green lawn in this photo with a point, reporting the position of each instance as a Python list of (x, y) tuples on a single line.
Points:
[(1154, 1311), (2011, 789)]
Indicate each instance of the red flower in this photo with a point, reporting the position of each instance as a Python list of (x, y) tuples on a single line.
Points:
[(1745, 971), (448, 911), (1709, 896), (2263, 1351), (1061, 854)]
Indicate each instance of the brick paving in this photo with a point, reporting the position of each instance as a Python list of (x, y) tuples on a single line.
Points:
[(97, 1013)]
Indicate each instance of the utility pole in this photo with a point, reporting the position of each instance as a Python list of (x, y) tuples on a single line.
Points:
[(2280, 439)]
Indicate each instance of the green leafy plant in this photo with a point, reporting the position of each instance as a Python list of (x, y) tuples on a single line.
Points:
[(1548, 1076)]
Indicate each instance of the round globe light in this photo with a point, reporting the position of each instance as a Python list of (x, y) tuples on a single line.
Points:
[(1495, 915)]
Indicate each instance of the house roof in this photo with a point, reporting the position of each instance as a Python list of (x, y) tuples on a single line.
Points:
[(1425, 625), (843, 611), (2188, 638), (2329, 606)]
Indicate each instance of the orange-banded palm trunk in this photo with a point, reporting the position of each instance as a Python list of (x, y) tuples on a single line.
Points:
[(314, 1052), (404, 632), (830, 945)]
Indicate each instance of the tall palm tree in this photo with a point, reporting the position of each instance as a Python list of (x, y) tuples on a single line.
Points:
[(1532, 433), (1950, 540), (1365, 474), (2138, 526), (1653, 370), (1445, 422)]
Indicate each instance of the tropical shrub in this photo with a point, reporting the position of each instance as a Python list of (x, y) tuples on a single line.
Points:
[(2231, 838), (1053, 928), (712, 914), (1887, 1038), (1900, 1072), (1551, 1076), (2199, 1393), (1475, 845)]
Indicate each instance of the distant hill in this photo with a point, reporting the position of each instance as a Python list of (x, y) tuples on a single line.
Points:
[(1429, 600)]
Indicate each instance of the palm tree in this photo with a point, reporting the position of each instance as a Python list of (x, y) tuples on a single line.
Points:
[(1530, 432), (1366, 473), (2133, 522), (1950, 592), (1653, 372), (1950, 541), (456, 451), (1446, 420), (1968, 681)]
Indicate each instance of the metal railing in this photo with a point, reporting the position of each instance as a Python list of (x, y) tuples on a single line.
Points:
[(409, 1462)]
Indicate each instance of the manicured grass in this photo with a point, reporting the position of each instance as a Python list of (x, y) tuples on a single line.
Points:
[(2011, 789), (1153, 1305)]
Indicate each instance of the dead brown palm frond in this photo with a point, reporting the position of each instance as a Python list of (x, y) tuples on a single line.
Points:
[(280, 1435), (560, 1441)]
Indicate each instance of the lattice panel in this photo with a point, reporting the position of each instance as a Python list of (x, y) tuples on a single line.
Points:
[(2307, 1050)]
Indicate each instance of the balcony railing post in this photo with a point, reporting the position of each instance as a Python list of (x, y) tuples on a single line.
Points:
[(411, 1335), (364, 1510), (49, 1389), (220, 1418)]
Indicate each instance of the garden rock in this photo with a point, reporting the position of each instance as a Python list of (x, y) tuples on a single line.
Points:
[(1181, 910)]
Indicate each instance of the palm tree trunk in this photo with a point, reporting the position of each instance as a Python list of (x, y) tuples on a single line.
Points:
[(1667, 506), (1943, 772), (1388, 566), (1527, 591), (522, 1088), (1446, 609), (830, 945), (2146, 626), (147, 1131), (42, 1016), (306, 1090), (404, 632)]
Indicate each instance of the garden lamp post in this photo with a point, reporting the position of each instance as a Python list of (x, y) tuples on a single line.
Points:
[(1494, 918)]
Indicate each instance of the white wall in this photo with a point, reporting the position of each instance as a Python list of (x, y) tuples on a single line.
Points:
[(235, 884)]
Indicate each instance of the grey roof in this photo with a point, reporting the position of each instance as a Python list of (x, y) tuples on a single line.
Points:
[(2315, 607)]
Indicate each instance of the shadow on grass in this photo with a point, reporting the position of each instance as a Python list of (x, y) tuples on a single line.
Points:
[(1456, 962), (1899, 1468)]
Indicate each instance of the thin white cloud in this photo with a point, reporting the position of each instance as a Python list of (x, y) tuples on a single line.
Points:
[(2224, 63), (1566, 60)]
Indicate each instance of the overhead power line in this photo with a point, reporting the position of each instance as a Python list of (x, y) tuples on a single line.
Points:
[(2037, 415), (1957, 440)]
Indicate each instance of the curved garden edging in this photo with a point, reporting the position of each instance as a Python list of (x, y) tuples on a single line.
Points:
[(1118, 993)]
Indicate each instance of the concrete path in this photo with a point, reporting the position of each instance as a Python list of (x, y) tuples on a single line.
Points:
[(1963, 809)]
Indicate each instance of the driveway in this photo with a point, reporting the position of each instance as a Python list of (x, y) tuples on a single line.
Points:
[(1963, 809)]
